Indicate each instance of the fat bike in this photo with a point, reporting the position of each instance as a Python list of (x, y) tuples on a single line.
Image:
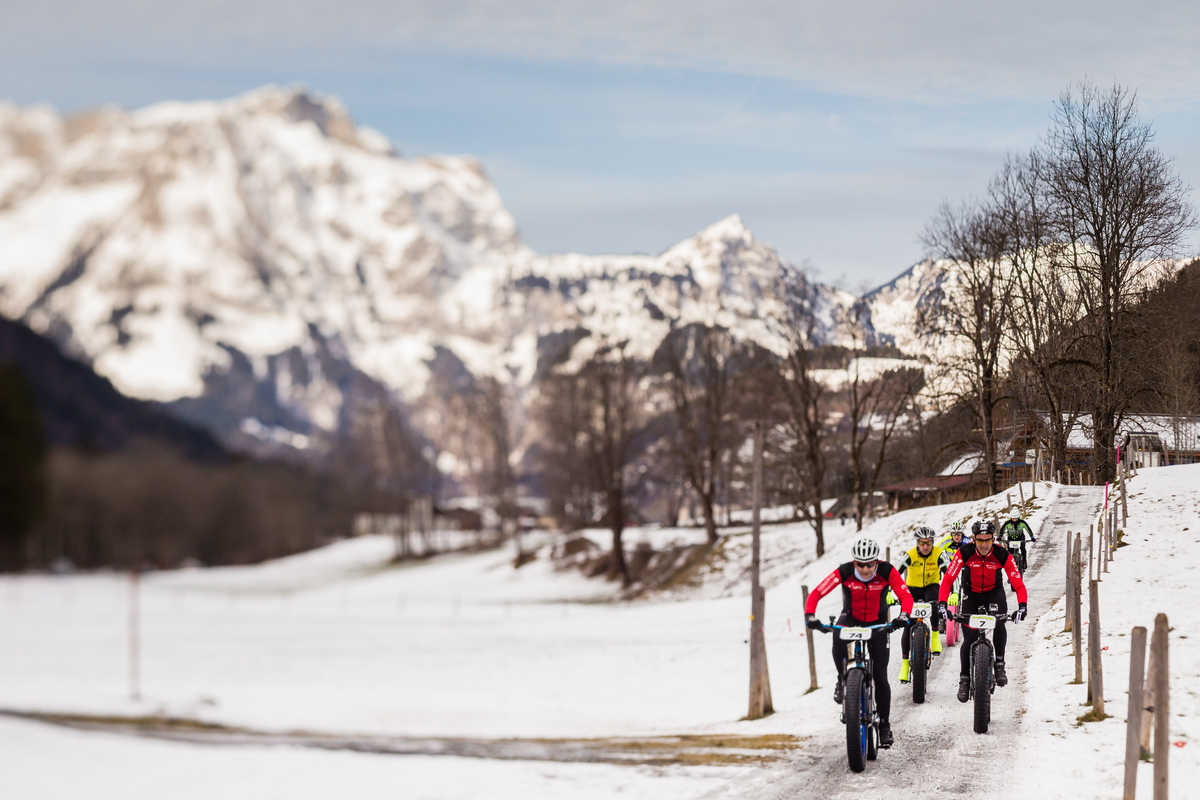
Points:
[(920, 649), (983, 674), (858, 693)]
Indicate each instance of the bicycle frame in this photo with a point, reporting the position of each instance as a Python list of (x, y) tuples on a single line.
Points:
[(862, 729)]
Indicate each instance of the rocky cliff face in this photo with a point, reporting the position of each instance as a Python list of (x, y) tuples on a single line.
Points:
[(250, 259), (270, 270)]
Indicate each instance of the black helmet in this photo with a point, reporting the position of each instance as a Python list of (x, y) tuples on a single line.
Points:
[(979, 527)]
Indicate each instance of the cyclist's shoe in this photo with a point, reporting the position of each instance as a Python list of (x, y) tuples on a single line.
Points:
[(904, 670), (964, 688), (885, 734), (935, 644), (837, 693), (1001, 677)]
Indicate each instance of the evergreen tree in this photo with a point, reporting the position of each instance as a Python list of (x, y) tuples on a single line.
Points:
[(22, 462)]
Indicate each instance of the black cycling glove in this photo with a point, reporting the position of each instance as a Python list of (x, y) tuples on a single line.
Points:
[(1020, 613), (811, 621), (944, 610)]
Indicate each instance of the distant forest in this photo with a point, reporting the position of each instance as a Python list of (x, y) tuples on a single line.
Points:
[(90, 478)]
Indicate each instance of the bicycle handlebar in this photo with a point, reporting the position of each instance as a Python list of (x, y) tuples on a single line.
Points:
[(831, 627), (967, 617)]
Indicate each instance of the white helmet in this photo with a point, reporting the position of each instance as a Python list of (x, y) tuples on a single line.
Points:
[(865, 549)]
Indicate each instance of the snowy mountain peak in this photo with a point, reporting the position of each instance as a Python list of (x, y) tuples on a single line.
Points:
[(273, 269), (262, 248), (730, 230)]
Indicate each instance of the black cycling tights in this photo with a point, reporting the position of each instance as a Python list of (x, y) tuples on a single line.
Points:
[(879, 652), (921, 594), (978, 604)]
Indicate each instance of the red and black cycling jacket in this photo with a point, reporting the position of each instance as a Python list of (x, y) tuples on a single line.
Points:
[(865, 600), (982, 572)]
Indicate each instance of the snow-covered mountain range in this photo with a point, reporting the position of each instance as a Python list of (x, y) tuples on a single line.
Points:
[(261, 262)]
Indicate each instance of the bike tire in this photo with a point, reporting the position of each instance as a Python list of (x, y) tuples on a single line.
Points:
[(981, 673), (872, 743), (917, 664), (856, 734), (952, 629)]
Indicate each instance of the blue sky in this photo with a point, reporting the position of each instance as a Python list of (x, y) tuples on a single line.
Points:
[(835, 130)]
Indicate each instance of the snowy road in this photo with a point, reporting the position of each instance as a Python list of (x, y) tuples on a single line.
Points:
[(936, 753)]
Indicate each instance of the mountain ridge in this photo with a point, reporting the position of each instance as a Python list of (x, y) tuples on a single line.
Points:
[(260, 262)]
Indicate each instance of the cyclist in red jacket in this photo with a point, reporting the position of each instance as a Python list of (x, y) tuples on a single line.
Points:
[(865, 582), (982, 586)]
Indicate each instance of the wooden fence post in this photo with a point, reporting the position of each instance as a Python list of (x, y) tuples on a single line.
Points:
[(1095, 668), (760, 681), (1008, 499), (1105, 541), (1091, 551), (1124, 506), (1147, 727), (1070, 598), (1133, 718), (1077, 614), (1112, 532), (812, 655), (1021, 492), (1162, 706)]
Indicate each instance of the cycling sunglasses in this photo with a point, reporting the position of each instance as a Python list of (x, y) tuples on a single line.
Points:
[(865, 564)]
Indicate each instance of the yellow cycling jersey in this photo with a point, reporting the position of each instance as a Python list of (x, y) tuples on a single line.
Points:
[(922, 570)]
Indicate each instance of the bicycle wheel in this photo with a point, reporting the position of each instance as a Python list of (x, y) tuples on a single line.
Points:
[(981, 675), (856, 732), (917, 664)]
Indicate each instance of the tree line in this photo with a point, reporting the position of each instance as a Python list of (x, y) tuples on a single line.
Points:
[(624, 439), (1060, 297), (1058, 276)]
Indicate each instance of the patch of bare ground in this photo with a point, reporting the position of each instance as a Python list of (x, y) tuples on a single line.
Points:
[(677, 566), (683, 750)]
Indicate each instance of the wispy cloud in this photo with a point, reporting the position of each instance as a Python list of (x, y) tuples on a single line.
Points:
[(921, 49)]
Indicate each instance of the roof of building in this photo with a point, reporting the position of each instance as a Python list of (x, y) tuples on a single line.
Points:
[(964, 464), (1163, 425)]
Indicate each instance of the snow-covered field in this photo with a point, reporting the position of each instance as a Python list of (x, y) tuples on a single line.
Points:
[(1157, 573), (337, 641)]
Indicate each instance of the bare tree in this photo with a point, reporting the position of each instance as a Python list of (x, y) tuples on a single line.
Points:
[(1043, 333), (611, 378), (699, 362), (804, 401), (1117, 199), (593, 418), (564, 448), (970, 311), (875, 406)]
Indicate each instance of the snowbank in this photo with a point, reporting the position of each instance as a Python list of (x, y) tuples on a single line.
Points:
[(1156, 573)]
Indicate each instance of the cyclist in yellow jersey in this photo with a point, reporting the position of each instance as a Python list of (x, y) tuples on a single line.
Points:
[(955, 539), (922, 568)]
